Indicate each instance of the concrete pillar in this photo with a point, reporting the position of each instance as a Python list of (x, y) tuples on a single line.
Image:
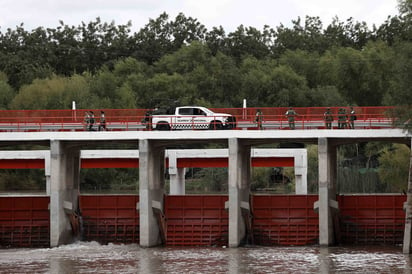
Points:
[(408, 212), (64, 190), (239, 190), (47, 172), (327, 191), (151, 192), (301, 172), (176, 175)]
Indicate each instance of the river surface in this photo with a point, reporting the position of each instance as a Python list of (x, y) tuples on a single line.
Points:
[(91, 257)]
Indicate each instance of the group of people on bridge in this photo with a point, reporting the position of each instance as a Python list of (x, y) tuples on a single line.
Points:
[(89, 121), (344, 120)]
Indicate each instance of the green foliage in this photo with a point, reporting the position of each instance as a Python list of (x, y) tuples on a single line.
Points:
[(394, 167), (22, 180), (52, 93), (6, 94), (109, 180), (313, 168), (209, 180), (324, 96)]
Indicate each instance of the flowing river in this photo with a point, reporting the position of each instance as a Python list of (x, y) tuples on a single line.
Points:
[(91, 257)]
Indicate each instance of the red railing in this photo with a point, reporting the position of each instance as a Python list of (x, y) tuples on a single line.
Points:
[(131, 119)]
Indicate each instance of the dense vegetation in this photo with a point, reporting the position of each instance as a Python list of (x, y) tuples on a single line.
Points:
[(103, 65)]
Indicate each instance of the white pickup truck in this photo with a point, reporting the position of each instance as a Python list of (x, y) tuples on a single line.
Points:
[(190, 117)]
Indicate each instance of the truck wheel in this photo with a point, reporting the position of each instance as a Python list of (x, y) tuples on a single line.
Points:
[(162, 126), (216, 125)]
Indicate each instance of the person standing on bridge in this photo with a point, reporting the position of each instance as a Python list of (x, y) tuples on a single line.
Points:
[(342, 118), (259, 119), (352, 118), (91, 121), (290, 114), (328, 117), (102, 122), (86, 120)]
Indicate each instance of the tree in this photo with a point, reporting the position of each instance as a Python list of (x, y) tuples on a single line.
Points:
[(52, 93), (394, 167), (287, 88), (352, 81), (160, 37), (304, 63), (248, 41)]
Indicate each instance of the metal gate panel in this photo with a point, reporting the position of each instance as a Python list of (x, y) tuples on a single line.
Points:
[(24, 221), (284, 220), (371, 219), (110, 218), (196, 220)]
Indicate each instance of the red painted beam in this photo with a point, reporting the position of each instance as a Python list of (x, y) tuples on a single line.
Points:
[(110, 163), (224, 162), (21, 163), (134, 163)]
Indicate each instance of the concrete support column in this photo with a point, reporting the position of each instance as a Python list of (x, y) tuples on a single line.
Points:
[(47, 172), (407, 235), (239, 190), (301, 173), (151, 192), (177, 175), (327, 191), (64, 190)]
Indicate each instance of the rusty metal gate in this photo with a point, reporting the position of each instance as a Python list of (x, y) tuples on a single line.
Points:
[(110, 218), (372, 219), (196, 220), (24, 221), (284, 220)]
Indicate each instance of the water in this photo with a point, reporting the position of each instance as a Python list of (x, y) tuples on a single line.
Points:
[(91, 257)]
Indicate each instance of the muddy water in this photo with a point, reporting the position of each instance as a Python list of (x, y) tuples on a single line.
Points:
[(91, 257)]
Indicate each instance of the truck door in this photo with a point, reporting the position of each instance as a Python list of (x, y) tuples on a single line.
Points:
[(200, 120), (184, 119)]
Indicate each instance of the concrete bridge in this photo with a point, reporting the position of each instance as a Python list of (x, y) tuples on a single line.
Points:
[(65, 150), (177, 161)]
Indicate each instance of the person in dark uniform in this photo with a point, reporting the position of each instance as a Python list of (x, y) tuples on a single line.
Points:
[(290, 114), (328, 117), (102, 122), (259, 119), (91, 121), (342, 118)]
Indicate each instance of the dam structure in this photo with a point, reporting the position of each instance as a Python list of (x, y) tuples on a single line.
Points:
[(65, 163)]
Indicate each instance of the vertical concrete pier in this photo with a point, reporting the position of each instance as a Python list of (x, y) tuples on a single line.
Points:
[(239, 190), (151, 192), (177, 175), (326, 204), (64, 190), (301, 171), (407, 235)]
